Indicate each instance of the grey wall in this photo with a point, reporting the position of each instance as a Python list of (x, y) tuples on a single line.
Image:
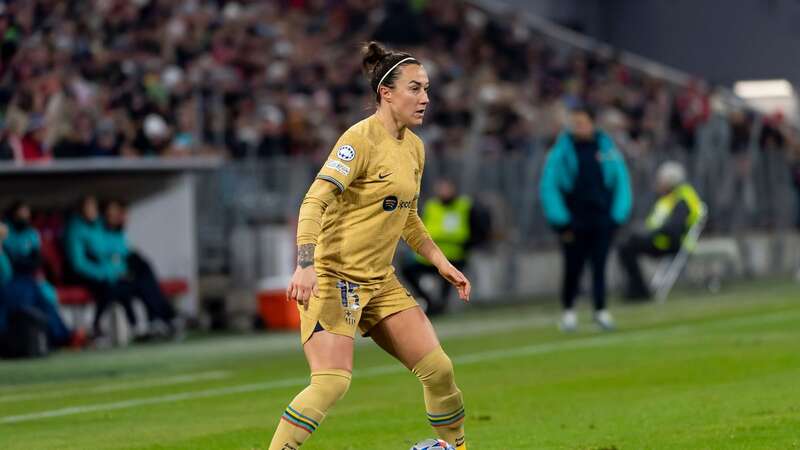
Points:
[(580, 15), (721, 40)]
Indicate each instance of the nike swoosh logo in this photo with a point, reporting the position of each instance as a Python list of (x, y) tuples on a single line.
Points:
[(384, 175)]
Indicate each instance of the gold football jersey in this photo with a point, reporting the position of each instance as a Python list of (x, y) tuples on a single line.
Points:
[(379, 179)]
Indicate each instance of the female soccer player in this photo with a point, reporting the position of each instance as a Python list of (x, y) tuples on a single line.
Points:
[(362, 202)]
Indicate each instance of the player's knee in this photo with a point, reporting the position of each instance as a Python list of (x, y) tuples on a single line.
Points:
[(435, 370), (443, 374), (331, 385)]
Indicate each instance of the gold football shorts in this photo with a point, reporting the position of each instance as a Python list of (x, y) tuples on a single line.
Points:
[(341, 306)]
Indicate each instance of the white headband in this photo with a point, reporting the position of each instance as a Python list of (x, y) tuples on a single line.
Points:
[(378, 89)]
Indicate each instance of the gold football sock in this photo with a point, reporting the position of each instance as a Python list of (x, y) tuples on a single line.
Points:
[(443, 400), (308, 409)]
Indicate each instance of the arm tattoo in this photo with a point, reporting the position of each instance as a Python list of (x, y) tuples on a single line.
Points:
[(305, 255)]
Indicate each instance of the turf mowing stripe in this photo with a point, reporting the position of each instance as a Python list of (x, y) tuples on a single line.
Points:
[(287, 343), (178, 379), (191, 395), (272, 344), (473, 358)]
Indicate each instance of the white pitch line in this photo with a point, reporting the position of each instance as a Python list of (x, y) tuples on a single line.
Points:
[(292, 382), (178, 379), (445, 330), (473, 358), (191, 395)]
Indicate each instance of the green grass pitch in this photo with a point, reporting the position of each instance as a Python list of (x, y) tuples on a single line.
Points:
[(699, 372)]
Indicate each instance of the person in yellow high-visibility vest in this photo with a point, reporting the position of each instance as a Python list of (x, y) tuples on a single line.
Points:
[(454, 224), (676, 210)]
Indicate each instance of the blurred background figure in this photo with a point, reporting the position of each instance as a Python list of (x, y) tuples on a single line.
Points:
[(794, 160), (135, 274), (28, 297), (5, 264), (94, 263), (678, 208), (6, 342), (795, 167), (586, 196), (456, 224)]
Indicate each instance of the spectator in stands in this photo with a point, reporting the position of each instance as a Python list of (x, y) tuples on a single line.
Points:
[(142, 63), (677, 209), (135, 272), (26, 290), (692, 109), (76, 142), (93, 263), (586, 196), (186, 141), (154, 137), (25, 138), (455, 224), (772, 135)]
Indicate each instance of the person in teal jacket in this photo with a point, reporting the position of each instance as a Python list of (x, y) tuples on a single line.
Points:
[(586, 195), (135, 272), (25, 288), (5, 277), (95, 263), (5, 264)]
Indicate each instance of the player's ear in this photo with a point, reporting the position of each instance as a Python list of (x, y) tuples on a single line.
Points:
[(386, 94)]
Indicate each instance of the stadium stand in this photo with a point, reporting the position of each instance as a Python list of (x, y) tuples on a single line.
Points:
[(271, 78)]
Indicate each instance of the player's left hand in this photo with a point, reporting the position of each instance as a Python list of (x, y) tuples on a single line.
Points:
[(457, 279)]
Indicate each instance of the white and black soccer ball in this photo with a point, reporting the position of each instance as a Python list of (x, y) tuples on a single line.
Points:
[(432, 444)]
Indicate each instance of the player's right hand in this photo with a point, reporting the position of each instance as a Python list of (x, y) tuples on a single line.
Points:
[(302, 286)]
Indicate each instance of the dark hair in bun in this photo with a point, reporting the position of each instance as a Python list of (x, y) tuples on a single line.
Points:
[(377, 60)]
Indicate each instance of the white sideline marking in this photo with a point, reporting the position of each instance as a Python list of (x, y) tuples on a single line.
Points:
[(287, 343), (191, 395), (178, 379), (473, 358)]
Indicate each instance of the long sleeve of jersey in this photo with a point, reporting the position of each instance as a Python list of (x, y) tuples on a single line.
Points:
[(321, 194), (414, 232)]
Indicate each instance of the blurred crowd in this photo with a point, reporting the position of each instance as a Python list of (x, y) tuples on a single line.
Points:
[(255, 79), (85, 78)]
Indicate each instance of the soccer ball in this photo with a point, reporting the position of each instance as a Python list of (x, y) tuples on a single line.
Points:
[(432, 444)]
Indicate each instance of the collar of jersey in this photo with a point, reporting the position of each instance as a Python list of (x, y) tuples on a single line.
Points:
[(386, 133)]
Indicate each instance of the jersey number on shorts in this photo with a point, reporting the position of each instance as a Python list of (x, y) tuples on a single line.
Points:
[(348, 291)]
